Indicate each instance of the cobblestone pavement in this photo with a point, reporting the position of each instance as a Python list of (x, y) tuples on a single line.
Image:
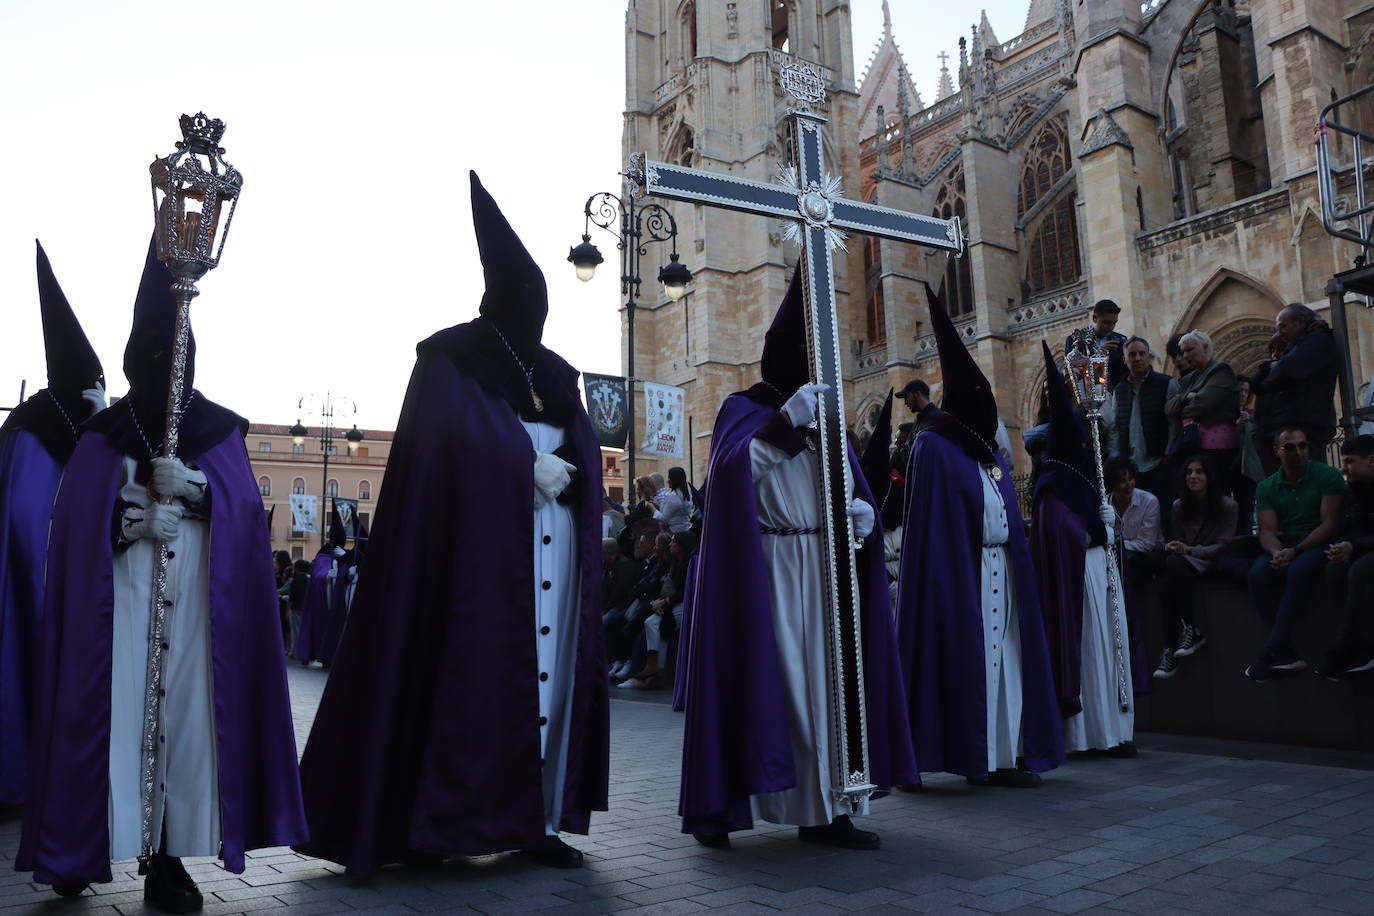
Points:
[(1167, 832)]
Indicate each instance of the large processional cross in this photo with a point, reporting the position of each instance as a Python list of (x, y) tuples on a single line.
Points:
[(808, 197)]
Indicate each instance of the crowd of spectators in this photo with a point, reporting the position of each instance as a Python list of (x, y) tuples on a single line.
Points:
[(1215, 472), (645, 574)]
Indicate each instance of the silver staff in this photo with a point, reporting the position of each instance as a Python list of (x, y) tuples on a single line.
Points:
[(1087, 366), (191, 188)]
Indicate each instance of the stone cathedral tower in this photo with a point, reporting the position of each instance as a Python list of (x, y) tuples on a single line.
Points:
[(701, 91)]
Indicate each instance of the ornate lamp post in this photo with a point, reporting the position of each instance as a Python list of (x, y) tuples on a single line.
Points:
[(1087, 367), (639, 226), (325, 408), (195, 193)]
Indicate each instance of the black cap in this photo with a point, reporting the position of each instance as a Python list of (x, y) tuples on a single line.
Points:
[(915, 386)]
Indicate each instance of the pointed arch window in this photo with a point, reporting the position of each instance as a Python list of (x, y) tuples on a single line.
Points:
[(956, 287), (876, 309), (781, 25), (1045, 201), (689, 30)]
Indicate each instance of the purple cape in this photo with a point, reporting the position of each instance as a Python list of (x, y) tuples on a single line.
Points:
[(1059, 544), (29, 476), (313, 641), (427, 737), (66, 835), (684, 638), (736, 742), (940, 620)]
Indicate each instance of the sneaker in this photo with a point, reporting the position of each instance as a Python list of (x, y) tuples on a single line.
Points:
[(1189, 641), (1345, 662), (1168, 665), (1272, 664), (633, 683)]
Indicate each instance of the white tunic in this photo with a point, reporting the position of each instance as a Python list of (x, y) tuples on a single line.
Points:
[(187, 787), (1001, 636), (786, 497), (557, 584), (1101, 725)]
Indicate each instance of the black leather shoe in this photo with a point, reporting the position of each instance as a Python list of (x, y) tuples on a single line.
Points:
[(714, 840), (1014, 778), (70, 890), (1126, 751), (840, 832), (168, 888), (909, 787), (554, 853)]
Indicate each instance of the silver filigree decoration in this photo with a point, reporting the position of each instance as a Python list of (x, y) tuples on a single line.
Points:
[(815, 207), (804, 83)]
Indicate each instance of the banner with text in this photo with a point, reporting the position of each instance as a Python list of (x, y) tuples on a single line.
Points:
[(608, 406), (303, 512), (663, 410)]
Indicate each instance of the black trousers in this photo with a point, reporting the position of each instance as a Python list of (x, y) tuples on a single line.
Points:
[(1178, 593), (1351, 583)]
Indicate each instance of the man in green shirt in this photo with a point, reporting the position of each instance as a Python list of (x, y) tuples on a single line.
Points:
[(1299, 515)]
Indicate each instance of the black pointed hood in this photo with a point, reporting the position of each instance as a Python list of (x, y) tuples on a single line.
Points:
[(497, 348), (876, 464), (1068, 468), (137, 423), (52, 414), (967, 395), (72, 364), (784, 365), (516, 300), (148, 353)]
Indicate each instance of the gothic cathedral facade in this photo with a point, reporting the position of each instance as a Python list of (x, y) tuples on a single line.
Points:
[(1156, 153)]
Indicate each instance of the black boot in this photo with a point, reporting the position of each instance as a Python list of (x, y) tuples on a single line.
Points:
[(554, 853), (1124, 751), (168, 888), (74, 889), (1014, 778), (714, 840), (840, 832)]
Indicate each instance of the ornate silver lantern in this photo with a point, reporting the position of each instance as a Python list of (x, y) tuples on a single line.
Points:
[(194, 195)]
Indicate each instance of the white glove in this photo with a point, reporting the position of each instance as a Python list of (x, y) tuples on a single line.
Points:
[(801, 407), (160, 522), (551, 477), (861, 516), (172, 478), (333, 572), (96, 398), (1107, 514), (339, 551), (353, 576)]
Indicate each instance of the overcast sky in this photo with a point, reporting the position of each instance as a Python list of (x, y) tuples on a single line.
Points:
[(354, 124)]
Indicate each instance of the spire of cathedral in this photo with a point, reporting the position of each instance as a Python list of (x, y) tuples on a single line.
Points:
[(887, 21), (985, 32), (946, 87)]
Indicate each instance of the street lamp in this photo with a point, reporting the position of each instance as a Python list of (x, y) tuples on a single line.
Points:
[(639, 226), (325, 408)]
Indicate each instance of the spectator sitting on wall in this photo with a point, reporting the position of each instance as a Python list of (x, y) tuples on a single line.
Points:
[(1299, 516), (1142, 542), (1298, 388), (1350, 565), (1204, 520), (618, 575), (1141, 424)]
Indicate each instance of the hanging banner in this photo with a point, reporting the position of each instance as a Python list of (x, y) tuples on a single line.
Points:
[(348, 514), (608, 406), (663, 411), (303, 512)]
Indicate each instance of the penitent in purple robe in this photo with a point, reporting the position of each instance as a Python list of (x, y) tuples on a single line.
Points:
[(940, 620), (66, 833), (317, 615), (736, 742), (28, 486), (427, 739)]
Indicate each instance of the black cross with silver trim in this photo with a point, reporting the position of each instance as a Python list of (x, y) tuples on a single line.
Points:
[(809, 198)]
